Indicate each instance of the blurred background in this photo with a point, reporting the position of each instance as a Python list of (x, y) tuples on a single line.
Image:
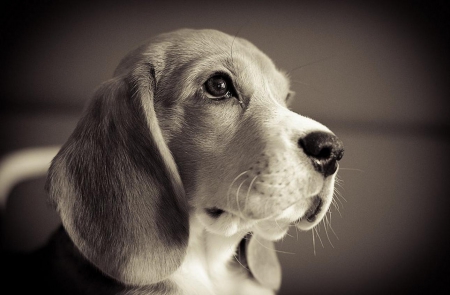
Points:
[(376, 73)]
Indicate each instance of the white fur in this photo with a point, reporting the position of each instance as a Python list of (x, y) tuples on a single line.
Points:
[(206, 268), (239, 156)]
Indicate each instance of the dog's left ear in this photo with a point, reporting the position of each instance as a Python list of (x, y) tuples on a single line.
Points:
[(263, 262), (116, 186)]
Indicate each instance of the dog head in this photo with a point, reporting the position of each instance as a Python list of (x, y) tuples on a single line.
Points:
[(193, 123)]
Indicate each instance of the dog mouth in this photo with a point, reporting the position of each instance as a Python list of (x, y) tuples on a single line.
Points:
[(313, 211), (214, 212), (310, 215), (272, 228)]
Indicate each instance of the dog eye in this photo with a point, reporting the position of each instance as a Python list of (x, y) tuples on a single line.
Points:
[(218, 87)]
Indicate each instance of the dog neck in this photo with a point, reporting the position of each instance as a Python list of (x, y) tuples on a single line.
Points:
[(210, 264)]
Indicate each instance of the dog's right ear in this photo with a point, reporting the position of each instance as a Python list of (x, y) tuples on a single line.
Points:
[(116, 186), (263, 262)]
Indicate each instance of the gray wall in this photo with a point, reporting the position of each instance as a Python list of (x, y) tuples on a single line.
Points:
[(376, 74)]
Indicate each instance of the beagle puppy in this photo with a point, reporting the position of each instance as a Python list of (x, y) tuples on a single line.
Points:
[(183, 170)]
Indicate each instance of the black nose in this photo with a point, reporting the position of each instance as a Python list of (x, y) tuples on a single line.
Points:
[(324, 149)]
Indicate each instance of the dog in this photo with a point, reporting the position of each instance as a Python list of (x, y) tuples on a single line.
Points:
[(184, 169)]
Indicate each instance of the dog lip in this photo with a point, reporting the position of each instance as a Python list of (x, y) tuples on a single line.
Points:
[(214, 212), (311, 214), (314, 210)]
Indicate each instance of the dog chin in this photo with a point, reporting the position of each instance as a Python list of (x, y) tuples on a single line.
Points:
[(224, 223), (271, 230), (228, 224)]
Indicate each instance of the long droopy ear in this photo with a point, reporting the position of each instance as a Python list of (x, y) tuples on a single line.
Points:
[(117, 188), (263, 262)]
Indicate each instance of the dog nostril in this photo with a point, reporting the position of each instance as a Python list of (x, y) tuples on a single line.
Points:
[(325, 149), (323, 153)]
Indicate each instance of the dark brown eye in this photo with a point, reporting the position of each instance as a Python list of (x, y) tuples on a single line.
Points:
[(218, 87)]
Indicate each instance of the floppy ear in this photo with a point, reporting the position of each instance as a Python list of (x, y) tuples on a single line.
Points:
[(116, 186), (263, 262)]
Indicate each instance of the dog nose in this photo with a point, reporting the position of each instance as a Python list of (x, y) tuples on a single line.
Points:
[(324, 149)]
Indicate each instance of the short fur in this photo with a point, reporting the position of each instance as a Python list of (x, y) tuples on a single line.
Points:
[(159, 183)]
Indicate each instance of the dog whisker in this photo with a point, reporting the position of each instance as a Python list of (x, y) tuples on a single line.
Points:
[(232, 183), (336, 205), (309, 86), (340, 184), (231, 187), (237, 196), (300, 82), (310, 63), (338, 198), (234, 38), (248, 191), (338, 208), (314, 242), (351, 169), (339, 181), (289, 235), (243, 266), (332, 230), (339, 195), (320, 239), (279, 226), (277, 251), (330, 226), (326, 231), (238, 261)]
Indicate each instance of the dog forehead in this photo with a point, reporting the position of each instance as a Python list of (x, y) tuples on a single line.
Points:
[(187, 45), (200, 51), (196, 42)]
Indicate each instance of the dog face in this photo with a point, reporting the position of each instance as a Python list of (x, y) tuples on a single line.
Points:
[(224, 116), (193, 124)]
